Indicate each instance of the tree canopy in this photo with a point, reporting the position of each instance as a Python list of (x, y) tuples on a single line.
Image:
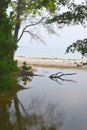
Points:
[(46, 13)]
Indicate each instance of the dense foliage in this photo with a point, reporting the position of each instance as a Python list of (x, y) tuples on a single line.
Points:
[(7, 46)]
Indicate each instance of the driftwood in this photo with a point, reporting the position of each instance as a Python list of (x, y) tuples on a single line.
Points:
[(59, 75), (23, 73)]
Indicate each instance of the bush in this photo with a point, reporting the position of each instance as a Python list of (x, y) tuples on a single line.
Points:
[(25, 67)]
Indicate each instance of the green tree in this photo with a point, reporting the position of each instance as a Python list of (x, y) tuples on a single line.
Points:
[(7, 45), (30, 11), (9, 32), (33, 13)]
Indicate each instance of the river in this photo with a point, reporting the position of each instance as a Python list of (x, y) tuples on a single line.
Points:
[(47, 104)]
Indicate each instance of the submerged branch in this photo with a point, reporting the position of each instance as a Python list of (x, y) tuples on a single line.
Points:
[(59, 75)]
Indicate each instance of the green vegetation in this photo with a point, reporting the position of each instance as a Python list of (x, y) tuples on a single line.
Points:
[(39, 12), (61, 12), (25, 67), (79, 46), (7, 65)]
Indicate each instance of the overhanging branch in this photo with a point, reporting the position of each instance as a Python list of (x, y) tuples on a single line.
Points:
[(34, 24)]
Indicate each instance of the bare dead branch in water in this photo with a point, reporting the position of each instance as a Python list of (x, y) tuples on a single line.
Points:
[(59, 75)]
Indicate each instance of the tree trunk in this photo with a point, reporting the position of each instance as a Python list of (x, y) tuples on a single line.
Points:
[(18, 21)]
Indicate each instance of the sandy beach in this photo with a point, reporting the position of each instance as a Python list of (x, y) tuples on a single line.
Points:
[(52, 62)]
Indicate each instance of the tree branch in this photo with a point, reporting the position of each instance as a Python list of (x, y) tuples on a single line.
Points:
[(59, 75), (34, 24), (35, 36)]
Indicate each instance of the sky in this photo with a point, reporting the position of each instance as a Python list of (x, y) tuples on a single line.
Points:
[(54, 46)]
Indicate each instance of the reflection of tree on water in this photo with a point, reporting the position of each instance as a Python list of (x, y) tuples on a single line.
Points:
[(40, 117), (6, 104), (4, 117), (14, 115), (24, 80)]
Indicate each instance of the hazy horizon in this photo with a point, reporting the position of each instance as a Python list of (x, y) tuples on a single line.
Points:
[(54, 46)]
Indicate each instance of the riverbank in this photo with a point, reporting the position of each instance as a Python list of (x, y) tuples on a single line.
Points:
[(52, 62)]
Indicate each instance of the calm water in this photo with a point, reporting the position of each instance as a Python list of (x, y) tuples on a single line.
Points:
[(46, 104)]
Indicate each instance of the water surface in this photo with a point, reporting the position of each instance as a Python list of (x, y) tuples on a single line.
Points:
[(46, 104)]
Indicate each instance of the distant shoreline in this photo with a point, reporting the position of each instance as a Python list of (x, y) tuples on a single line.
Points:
[(52, 62)]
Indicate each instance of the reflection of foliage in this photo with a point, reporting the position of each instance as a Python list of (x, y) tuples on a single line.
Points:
[(39, 115), (25, 74), (26, 79), (5, 115)]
